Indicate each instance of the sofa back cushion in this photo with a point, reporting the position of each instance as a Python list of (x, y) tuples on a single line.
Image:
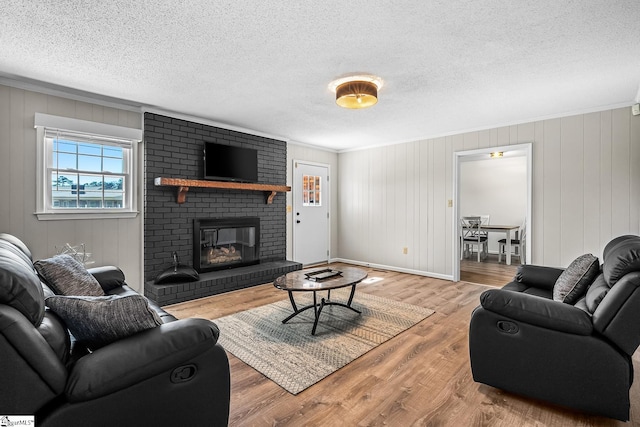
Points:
[(17, 243), (617, 315), (19, 284), (596, 292), (55, 333), (621, 256)]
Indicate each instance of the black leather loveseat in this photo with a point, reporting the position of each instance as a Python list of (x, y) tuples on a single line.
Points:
[(171, 373), (572, 353)]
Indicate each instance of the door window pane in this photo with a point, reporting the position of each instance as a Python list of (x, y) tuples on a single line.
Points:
[(311, 190)]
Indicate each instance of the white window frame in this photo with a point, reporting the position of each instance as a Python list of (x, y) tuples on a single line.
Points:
[(102, 133)]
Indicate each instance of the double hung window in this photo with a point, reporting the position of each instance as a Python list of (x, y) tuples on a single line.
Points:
[(86, 169)]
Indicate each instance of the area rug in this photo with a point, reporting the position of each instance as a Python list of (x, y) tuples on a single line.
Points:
[(293, 358)]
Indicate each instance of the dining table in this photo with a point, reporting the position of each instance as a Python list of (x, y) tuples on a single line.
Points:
[(506, 229)]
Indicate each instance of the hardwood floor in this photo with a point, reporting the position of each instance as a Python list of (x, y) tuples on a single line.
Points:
[(421, 377), (487, 272)]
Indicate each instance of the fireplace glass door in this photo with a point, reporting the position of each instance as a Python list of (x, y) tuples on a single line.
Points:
[(222, 244)]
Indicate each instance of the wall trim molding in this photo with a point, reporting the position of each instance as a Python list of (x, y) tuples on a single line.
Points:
[(497, 125), (69, 93), (393, 268)]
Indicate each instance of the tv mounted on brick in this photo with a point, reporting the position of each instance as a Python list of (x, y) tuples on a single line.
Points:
[(228, 163)]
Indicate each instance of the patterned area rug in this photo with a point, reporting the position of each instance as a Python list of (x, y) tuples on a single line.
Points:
[(293, 358)]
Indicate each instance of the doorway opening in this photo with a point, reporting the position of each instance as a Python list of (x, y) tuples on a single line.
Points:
[(493, 193)]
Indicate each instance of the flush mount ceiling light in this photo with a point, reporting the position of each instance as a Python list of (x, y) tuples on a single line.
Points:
[(355, 92)]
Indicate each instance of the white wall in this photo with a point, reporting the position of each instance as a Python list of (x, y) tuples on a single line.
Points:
[(111, 241), (586, 190), (495, 187)]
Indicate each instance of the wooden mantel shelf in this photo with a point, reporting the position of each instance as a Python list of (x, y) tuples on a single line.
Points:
[(184, 184)]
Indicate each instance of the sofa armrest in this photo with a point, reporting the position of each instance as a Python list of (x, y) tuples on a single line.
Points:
[(109, 277), (141, 356), (537, 311), (538, 276)]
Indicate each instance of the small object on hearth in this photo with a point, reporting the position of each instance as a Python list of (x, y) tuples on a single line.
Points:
[(177, 273)]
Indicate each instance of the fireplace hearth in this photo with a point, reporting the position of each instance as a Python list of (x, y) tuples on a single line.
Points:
[(221, 243)]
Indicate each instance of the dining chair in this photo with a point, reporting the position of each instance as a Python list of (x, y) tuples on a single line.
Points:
[(485, 221), (472, 236), (517, 244)]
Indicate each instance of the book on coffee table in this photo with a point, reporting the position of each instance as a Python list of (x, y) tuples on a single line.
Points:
[(318, 276)]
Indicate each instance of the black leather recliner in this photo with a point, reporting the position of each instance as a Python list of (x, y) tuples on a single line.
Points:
[(579, 356), (173, 374)]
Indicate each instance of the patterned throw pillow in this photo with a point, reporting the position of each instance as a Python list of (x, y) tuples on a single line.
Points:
[(98, 321), (67, 276), (574, 281)]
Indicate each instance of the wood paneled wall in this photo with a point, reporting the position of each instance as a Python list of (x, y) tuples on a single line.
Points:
[(111, 241), (586, 190)]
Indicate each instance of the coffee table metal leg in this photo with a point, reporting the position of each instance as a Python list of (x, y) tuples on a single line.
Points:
[(317, 308), (295, 308), (315, 323), (293, 303), (353, 291)]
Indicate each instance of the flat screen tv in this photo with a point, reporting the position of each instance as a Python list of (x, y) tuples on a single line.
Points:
[(227, 163)]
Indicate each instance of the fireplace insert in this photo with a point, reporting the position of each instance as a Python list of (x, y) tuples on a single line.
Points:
[(221, 243)]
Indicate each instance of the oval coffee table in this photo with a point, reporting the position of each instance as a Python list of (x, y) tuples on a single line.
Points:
[(316, 280)]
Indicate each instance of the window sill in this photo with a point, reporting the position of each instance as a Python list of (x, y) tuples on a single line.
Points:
[(52, 216)]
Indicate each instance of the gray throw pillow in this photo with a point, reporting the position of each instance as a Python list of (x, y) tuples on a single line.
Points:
[(67, 276), (98, 321), (574, 281)]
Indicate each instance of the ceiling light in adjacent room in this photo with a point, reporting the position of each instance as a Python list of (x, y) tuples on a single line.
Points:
[(355, 92)]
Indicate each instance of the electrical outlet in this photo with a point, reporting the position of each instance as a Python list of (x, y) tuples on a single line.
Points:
[(405, 250)]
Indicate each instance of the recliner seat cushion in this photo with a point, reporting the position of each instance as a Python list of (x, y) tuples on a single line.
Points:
[(98, 321), (574, 281), (67, 276)]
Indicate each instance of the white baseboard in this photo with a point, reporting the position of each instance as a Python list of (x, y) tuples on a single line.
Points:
[(393, 268)]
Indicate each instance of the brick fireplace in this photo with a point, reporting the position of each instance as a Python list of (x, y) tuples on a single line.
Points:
[(173, 148)]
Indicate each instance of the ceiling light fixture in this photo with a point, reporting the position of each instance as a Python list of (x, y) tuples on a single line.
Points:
[(356, 92)]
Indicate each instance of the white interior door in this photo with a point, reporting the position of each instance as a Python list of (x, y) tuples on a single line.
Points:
[(310, 212)]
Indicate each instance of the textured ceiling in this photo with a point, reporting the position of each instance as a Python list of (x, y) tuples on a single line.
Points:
[(448, 66)]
